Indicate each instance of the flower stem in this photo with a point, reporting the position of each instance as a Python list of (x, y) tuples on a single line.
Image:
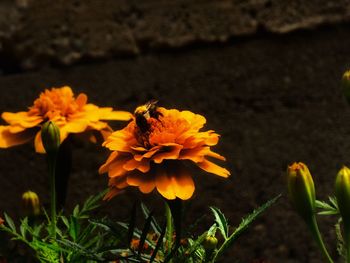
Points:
[(52, 174), (169, 227), (313, 226), (347, 241)]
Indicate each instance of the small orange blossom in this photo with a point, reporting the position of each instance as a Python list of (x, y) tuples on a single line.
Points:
[(152, 157), (70, 114)]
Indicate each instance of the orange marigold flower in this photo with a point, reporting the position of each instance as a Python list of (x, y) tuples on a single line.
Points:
[(70, 114), (149, 153), (135, 243)]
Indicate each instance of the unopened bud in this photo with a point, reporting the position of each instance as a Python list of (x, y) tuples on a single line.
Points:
[(210, 242), (50, 136), (342, 193), (31, 203), (2, 221), (346, 85), (301, 189)]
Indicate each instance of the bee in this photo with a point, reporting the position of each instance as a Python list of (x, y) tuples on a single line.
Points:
[(144, 112)]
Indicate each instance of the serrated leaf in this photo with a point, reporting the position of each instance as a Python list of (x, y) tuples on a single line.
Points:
[(245, 223), (23, 227), (221, 221), (10, 223)]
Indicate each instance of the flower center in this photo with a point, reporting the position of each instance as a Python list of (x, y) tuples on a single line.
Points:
[(58, 103), (160, 131)]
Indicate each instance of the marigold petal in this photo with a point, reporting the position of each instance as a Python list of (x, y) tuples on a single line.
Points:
[(196, 154), (38, 143), (143, 165), (22, 118), (8, 139), (212, 138), (81, 99), (109, 114), (183, 185), (99, 125), (144, 181), (113, 191), (149, 154), (116, 168), (104, 167), (216, 156), (75, 126), (164, 185), (197, 121), (211, 167), (169, 152), (15, 128)]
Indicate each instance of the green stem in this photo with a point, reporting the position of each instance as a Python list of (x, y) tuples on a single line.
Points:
[(347, 241), (169, 227), (52, 175), (312, 224)]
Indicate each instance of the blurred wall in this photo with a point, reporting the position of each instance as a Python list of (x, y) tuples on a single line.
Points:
[(264, 73)]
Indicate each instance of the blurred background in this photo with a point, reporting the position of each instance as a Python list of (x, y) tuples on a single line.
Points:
[(265, 73)]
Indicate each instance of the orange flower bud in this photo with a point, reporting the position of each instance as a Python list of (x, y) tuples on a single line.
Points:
[(301, 189), (2, 221), (346, 85), (50, 135), (31, 203)]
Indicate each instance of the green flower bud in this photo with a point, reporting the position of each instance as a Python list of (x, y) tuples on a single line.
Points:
[(210, 242), (346, 85), (50, 136), (31, 203), (342, 192), (301, 190)]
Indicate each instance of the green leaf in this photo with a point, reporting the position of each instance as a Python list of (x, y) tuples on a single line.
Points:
[(155, 226), (10, 223), (65, 221), (159, 243), (74, 228), (221, 221), (144, 233), (245, 223), (76, 211), (108, 225), (327, 209), (132, 222), (23, 227)]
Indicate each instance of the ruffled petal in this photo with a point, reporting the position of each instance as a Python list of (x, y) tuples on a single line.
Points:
[(38, 143), (8, 139), (109, 114), (145, 182), (168, 152), (22, 118), (143, 165), (183, 185), (164, 185), (211, 167)]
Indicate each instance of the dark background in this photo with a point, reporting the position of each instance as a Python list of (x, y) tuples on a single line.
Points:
[(264, 73)]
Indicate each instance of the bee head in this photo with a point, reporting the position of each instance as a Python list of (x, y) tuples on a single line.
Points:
[(142, 111)]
